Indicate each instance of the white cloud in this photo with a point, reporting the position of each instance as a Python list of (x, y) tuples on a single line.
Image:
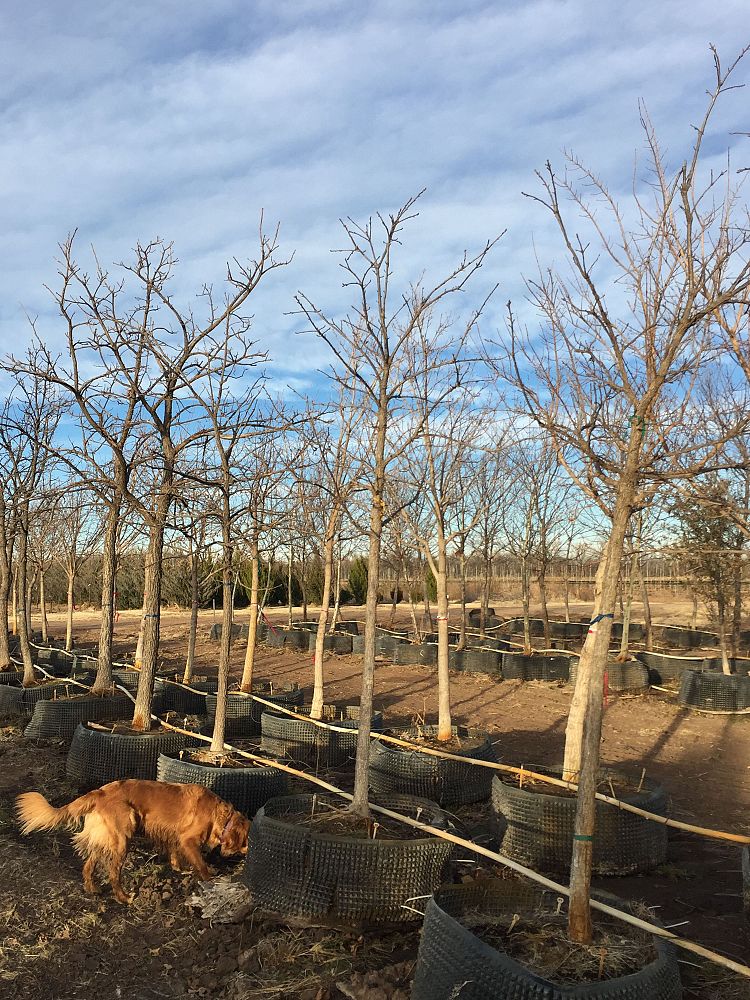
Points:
[(184, 120)]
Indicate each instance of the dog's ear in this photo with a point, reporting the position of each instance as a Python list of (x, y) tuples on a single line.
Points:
[(234, 839)]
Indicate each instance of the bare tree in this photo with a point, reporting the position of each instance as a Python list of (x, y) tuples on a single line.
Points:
[(372, 346), (27, 431), (628, 332)]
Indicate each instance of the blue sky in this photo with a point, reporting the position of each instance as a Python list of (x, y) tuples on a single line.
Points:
[(183, 120)]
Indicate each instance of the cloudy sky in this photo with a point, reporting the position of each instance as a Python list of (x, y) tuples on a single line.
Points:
[(184, 119)]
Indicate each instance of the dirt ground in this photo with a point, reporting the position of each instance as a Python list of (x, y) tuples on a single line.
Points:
[(56, 942)]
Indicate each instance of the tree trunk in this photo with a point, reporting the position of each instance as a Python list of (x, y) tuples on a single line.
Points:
[(542, 583), (23, 626), (722, 625), (394, 595), (289, 589), (462, 627), (737, 604), (316, 711), (5, 585), (43, 606), (647, 637), (694, 612), (220, 720), (525, 598), (15, 601), (627, 611), (252, 625), (194, 605), (444, 693), (69, 608), (359, 803), (151, 620), (337, 602), (484, 609), (103, 680), (583, 734)]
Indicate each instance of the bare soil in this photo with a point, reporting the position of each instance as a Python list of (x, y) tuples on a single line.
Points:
[(57, 942), (543, 946)]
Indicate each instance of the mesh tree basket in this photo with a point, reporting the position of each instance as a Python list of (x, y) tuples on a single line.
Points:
[(178, 699), (294, 871), (428, 654), (18, 700), (349, 628), (454, 963), (479, 661), (53, 659), (447, 782), (306, 743), (662, 667), (676, 637), (536, 627), (539, 831), (97, 756), (738, 664), (407, 653), (339, 644), (58, 719), (244, 715), (358, 644), (713, 692), (522, 667), (621, 677), (246, 788), (297, 638), (274, 638)]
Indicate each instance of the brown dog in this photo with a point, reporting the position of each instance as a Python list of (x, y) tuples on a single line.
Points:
[(180, 818)]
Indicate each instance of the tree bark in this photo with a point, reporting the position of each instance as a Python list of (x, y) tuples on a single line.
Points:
[(220, 720), (5, 586), (359, 803), (583, 734), (444, 695), (722, 626), (316, 711), (21, 573), (151, 618), (337, 602), (542, 584), (103, 680), (43, 606), (252, 625), (462, 627), (194, 606)]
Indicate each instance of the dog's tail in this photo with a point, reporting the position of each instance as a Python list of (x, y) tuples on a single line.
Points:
[(35, 813)]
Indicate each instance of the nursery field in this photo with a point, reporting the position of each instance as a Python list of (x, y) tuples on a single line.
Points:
[(57, 942)]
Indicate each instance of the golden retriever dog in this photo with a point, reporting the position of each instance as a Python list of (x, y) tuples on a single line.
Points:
[(179, 818)]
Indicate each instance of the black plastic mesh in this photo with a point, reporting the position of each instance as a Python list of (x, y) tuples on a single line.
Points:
[(96, 757), (677, 638), (59, 719), (540, 830), (663, 668), (298, 872), (713, 692), (339, 644), (447, 782), (621, 677), (306, 743), (243, 714), (737, 664), (350, 628), (454, 963), (184, 702), (246, 788), (274, 638), (519, 666), (297, 638), (428, 654), (358, 644), (407, 653), (480, 661)]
